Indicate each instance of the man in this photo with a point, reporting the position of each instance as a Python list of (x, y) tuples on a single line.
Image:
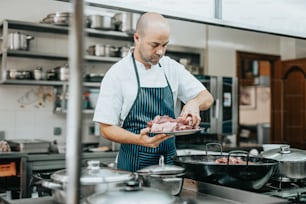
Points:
[(142, 85)]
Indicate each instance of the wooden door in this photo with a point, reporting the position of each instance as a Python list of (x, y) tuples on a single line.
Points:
[(289, 103)]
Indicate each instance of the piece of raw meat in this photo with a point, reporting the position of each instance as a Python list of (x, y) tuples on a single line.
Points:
[(166, 123)]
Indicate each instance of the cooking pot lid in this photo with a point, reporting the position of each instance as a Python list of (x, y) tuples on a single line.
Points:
[(95, 176), (161, 168), (143, 195), (285, 153)]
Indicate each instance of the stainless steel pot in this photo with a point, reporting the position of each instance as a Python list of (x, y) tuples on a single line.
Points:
[(124, 51), (168, 178), (97, 50), (101, 22), (93, 179), (126, 22), (111, 51), (58, 18), (131, 193), (64, 73), (292, 162), (18, 41)]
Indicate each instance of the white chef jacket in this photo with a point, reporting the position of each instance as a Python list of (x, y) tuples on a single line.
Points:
[(119, 87)]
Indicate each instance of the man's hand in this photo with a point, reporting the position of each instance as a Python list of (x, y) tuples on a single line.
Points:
[(191, 109), (146, 140)]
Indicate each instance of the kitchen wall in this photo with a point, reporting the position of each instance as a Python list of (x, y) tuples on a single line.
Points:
[(27, 111)]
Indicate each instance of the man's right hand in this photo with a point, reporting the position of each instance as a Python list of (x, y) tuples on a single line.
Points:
[(146, 140)]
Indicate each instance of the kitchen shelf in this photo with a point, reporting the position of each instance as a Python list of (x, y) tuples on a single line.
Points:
[(41, 55), (84, 111), (192, 54), (46, 83), (49, 28), (33, 82), (31, 54)]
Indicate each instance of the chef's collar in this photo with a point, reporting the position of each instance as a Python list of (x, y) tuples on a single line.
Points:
[(130, 55)]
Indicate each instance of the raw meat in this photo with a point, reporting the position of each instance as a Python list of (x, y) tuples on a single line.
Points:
[(232, 160), (166, 123)]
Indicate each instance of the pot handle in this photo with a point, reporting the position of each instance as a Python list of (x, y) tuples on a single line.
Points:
[(213, 144), (29, 37), (51, 185), (240, 152), (172, 179)]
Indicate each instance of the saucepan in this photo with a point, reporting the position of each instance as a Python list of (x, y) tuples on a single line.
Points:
[(131, 193), (101, 22), (292, 162), (58, 18), (93, 180), (18, 41), (236, 169), (166, 177)]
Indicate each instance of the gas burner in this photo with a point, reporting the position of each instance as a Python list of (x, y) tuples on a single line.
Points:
[(282, 185), (294, 194), (288, 180), (292, 190)]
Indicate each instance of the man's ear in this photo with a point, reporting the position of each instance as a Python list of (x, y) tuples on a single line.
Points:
[(136, 37)]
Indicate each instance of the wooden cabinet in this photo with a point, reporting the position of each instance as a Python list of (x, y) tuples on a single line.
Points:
[(289, 103)]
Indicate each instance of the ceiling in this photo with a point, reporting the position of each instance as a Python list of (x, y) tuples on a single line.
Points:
[(285, 17)]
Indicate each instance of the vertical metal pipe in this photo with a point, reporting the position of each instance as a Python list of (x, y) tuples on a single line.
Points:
[(218, 9), (74, 114)]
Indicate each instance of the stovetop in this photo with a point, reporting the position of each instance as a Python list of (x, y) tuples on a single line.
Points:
[(293, 191)]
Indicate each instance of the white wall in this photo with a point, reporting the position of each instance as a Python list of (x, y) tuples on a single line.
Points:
[(38, 121)]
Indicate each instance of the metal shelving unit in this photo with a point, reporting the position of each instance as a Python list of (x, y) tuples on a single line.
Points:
[(5, 53)]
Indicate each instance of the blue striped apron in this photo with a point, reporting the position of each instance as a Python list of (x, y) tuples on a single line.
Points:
[(148, 103)]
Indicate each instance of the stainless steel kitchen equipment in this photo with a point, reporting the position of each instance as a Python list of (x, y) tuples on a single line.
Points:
[(63, 72), (18, 41), (168, 178), (292, 162), (222, 117), (101, 22), (124, 50), (58, 18), (93, 179), (132, 193), (97, 50), (111, 51), (193, 192), (30, 146), (126, 22)]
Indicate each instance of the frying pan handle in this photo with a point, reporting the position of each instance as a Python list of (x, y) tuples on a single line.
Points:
[(213, 144), (240, 152)]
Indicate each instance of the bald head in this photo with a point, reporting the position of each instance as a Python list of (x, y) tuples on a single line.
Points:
[(151, 38), (151, 21)]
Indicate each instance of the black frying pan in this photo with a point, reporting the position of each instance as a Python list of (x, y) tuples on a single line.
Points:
[(252, 174)]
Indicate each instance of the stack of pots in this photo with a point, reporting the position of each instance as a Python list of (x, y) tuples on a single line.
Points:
[(292, 162), (101, 22), (18, 41), (168, 178), (103, 50)]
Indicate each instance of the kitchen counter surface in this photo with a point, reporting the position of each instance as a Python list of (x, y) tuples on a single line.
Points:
[(6, 155), (192, 192), (46, 157)]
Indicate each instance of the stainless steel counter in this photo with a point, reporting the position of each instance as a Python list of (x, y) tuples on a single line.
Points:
[(7, 155), (40, 162), (193, 192)]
